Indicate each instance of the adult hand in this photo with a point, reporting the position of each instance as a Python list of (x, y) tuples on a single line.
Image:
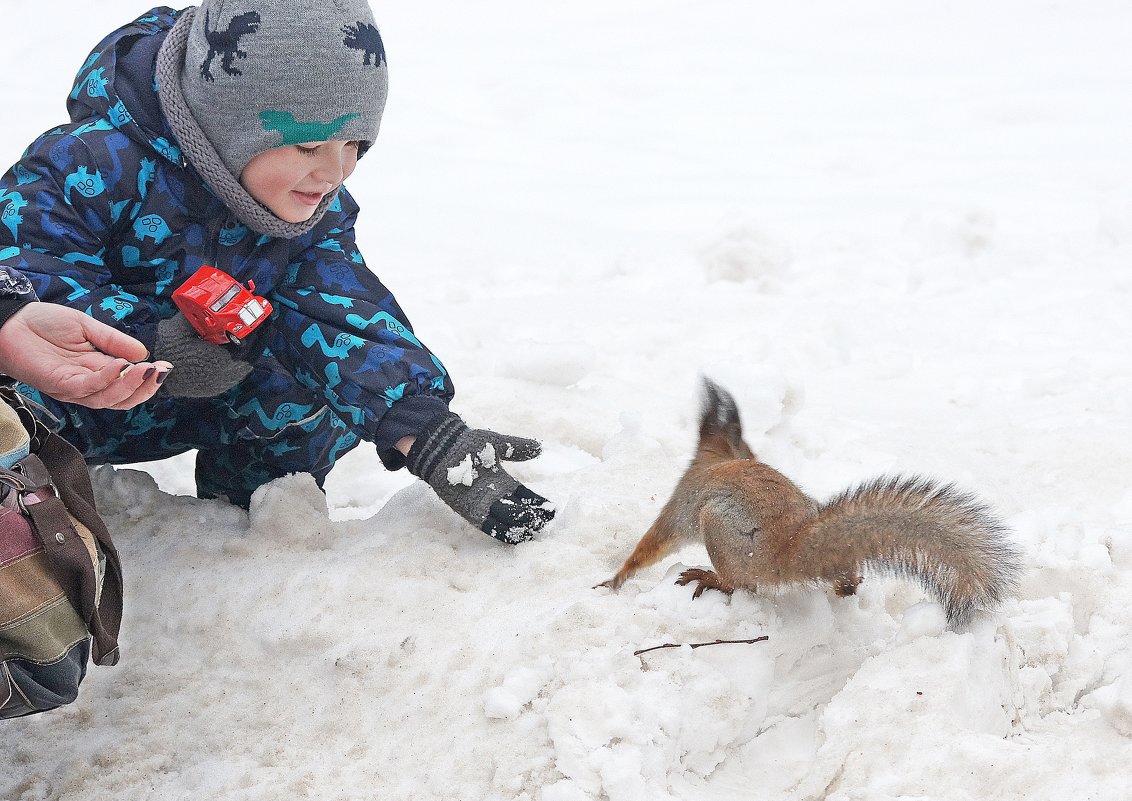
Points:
[(76, 359)]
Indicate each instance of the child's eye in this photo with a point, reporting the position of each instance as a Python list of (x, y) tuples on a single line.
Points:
[(307, 151)]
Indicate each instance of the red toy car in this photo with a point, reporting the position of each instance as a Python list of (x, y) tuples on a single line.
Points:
[(219, 307)]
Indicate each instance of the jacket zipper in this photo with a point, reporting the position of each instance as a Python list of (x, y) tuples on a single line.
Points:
[(214, 245)]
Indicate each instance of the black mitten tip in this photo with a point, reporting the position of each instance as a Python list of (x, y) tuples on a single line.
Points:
[(516, 517)]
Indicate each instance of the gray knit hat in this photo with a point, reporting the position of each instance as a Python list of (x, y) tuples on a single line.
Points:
[(238, 77), (259, 74)]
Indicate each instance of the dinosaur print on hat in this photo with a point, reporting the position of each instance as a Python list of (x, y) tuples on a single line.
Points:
[(226, 43), (295, 132), (365, 37)]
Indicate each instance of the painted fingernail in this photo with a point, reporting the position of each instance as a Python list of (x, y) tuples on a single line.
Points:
[(163, 375), (125, 370), (149, 372)]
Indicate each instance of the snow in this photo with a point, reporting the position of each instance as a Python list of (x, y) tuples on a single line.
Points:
[(899, 233), (464, 473)]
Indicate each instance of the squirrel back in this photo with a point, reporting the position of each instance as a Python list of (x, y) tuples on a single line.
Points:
[(760, 529)]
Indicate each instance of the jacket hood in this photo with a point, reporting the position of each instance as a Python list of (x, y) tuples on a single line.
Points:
[(116, 86)]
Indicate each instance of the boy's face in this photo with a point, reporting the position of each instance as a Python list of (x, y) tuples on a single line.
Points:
[(292, 180)]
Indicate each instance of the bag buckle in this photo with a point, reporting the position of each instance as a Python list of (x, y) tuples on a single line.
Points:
[(13, 481), (22, 503)]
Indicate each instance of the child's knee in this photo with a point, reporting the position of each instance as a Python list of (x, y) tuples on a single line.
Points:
[(237, 470)]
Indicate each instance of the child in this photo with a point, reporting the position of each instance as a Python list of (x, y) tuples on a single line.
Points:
[(221, 136)]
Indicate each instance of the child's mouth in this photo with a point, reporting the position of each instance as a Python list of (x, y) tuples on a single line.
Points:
[(308, 198)]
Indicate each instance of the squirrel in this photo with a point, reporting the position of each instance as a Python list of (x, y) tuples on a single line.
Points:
[(761, 530)]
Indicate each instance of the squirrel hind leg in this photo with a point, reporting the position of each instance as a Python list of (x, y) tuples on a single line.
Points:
[(846, 584), (706, 580)]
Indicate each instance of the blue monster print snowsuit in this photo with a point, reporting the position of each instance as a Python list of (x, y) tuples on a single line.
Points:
[(104, 214)]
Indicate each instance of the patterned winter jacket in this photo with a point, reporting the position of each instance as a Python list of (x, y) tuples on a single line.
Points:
[(15, 292), (104, 214)]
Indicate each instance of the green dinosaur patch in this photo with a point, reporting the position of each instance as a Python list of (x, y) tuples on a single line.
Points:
[(295, 132)]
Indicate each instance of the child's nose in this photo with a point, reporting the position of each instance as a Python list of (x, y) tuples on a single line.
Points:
[(333, 167), (329, 170)]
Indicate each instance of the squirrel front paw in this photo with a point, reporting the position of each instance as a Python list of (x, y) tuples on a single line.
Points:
[(707, 580)]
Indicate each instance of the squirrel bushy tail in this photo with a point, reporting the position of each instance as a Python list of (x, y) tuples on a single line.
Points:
[(916, 528)]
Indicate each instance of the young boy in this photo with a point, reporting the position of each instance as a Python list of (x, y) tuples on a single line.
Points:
[(221, 136)]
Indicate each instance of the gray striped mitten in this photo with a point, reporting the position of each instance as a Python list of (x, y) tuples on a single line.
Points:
[(463, 466)]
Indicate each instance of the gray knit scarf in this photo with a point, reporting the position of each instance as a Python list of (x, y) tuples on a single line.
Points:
[(203, 156)]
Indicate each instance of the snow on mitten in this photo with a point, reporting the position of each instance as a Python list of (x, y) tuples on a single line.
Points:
[(203, 370), (463, 466)]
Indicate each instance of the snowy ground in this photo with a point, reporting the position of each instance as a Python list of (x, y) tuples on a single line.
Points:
[(899, 232)]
